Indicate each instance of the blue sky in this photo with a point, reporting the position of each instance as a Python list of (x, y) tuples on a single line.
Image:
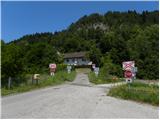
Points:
[(21, 18)]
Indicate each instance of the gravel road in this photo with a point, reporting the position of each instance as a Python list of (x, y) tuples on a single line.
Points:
[(76, 100)]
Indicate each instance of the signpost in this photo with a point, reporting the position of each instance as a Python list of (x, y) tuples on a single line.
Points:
[(96, 71), (52, 67), (93, 66), (69, 68), (75, 62), (134, 71), (129, 71), (9, 82)]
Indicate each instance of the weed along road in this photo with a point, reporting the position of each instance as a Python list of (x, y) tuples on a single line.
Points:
[(78, 99)]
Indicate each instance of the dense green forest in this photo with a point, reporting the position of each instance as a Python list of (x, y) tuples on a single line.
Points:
[(110, 39)]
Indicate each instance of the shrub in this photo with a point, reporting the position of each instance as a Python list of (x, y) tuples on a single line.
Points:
[(103, 78), (61, 67)]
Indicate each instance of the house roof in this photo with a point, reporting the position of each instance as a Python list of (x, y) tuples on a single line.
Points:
[(75, 54)]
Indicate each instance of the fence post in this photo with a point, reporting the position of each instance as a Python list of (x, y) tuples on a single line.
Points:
[(33, 81), (37, 81), (9, 82)]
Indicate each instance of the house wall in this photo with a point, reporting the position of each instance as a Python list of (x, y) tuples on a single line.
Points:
[(80, 61)]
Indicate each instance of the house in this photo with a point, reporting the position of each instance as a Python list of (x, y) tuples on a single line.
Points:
[(76, 58)]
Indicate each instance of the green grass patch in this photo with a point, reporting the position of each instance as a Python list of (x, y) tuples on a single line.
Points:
[(141, 92), (59, 78), (101, 79), (83, 70)]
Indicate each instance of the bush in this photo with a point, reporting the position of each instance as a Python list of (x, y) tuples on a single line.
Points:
[(108, 73), (109, 68), (11, 63), (103, 78), (61, 67)]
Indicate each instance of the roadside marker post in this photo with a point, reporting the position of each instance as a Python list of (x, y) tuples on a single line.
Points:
[(134, 70), (96, 71), (69, 68), (93, 66), (9, 82), (52, 71), (129, 85)]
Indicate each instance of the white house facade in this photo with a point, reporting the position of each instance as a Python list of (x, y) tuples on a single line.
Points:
[(76, 58)]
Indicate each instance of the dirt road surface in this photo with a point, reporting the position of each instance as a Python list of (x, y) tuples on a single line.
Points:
[(79, 99)]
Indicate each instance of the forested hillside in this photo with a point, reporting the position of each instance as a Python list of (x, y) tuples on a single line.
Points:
[(113, 37)]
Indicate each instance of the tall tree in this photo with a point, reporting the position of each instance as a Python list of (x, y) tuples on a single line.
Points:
[(12, 64)]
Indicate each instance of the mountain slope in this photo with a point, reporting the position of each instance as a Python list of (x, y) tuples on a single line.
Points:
[(120, 35)]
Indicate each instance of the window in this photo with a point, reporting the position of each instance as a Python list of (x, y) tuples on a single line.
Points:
[(83, 59), (67, 60), (72, 59)]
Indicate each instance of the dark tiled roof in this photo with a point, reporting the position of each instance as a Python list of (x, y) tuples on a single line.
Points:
[(75, 54)]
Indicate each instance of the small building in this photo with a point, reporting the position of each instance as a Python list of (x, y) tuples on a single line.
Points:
[(76, 58)]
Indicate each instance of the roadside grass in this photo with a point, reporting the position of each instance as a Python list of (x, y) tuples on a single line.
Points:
[(101, 79), (141, 92), (59, 78), (83, 70)]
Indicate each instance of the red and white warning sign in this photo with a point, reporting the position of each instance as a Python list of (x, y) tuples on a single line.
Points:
[(52, 65), (128, 65), (128, 74)]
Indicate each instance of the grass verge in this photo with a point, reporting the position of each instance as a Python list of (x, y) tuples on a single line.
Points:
[(59, 78), (101, 79), (140, 92), (83, 70)]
